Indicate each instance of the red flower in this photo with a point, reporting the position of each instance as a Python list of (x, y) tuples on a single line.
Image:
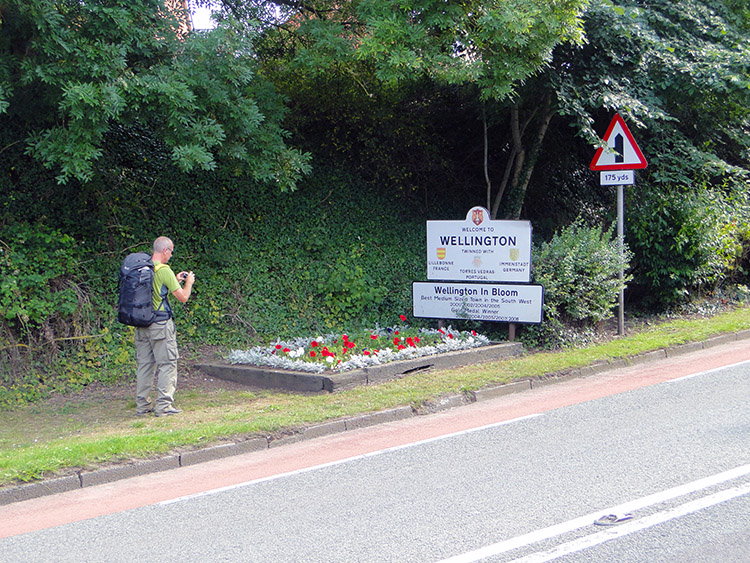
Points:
[(396, 332), (312, 353), (344, 337), (278, 346), (401, 347), (313, 343), (286, 350), (473, 332), (366, 353), (410, 342), (374, 336), (403, 317), (416, 339), (396, 341), (350, 344), (450, 335)]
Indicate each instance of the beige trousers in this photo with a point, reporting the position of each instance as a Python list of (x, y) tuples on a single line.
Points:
[(156, 357)]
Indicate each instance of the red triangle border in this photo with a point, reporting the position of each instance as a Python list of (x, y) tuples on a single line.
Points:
[(620, 166)]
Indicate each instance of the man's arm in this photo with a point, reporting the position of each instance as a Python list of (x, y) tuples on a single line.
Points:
[(183, 294)]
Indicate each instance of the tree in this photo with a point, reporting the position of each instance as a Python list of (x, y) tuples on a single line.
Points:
[(680, 71), (493, 46), (680, 75), (674, 70), (70, 71)]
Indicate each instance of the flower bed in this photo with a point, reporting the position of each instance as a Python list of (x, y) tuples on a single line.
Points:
[(346, 352)]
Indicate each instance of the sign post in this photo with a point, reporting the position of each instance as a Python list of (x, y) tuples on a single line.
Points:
[(616, 166)]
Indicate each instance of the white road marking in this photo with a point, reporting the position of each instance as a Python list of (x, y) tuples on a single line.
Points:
[(722, 368), (577, 523), (633, 526)]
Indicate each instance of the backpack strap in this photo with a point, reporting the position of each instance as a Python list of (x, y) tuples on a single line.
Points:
[(164, 306)]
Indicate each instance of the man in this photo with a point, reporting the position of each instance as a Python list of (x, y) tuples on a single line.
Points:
[(156, 345)]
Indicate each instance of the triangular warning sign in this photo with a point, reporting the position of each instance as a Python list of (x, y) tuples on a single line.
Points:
[(625, 154)]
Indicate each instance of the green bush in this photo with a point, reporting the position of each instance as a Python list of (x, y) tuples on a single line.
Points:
[(580, 271), (38, 286), (53, 334), (688, 242)]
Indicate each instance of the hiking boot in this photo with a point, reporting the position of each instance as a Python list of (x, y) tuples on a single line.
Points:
[(144, 412), (167, 412)]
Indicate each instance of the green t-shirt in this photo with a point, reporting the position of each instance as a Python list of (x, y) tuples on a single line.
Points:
[(165, 282)]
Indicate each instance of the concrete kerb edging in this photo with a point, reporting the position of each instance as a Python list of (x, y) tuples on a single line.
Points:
[(86, 478)]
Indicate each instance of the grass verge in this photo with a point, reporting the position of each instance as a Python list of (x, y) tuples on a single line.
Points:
[(53, 438)]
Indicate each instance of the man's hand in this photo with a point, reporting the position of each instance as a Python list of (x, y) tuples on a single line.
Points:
[(183, 294)]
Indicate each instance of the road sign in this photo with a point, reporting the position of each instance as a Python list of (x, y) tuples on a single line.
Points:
[(520, 303), (624, 153)]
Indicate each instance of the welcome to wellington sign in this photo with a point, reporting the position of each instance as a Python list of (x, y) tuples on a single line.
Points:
[(479, 249)]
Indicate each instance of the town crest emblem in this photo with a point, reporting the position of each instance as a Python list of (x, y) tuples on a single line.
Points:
[(477, 216)]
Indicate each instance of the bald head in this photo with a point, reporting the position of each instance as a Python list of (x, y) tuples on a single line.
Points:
[(161, 244)]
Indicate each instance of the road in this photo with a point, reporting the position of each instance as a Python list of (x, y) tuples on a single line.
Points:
[(664, 447)]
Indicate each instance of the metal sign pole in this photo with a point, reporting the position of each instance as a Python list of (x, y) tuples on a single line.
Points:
[(616, 163), (621, 246)]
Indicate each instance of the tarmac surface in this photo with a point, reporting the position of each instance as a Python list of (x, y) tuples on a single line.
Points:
[(113, 489)]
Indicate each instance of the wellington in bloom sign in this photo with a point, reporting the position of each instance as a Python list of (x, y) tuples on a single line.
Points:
[(479, 249), (510, 303)]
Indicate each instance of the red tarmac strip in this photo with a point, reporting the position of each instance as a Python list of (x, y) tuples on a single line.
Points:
[(90, 502)]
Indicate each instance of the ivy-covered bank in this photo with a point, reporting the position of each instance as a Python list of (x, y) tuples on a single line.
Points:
[(269, 266)]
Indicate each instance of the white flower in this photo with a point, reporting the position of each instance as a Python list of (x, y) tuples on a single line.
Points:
[(296, 360)]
